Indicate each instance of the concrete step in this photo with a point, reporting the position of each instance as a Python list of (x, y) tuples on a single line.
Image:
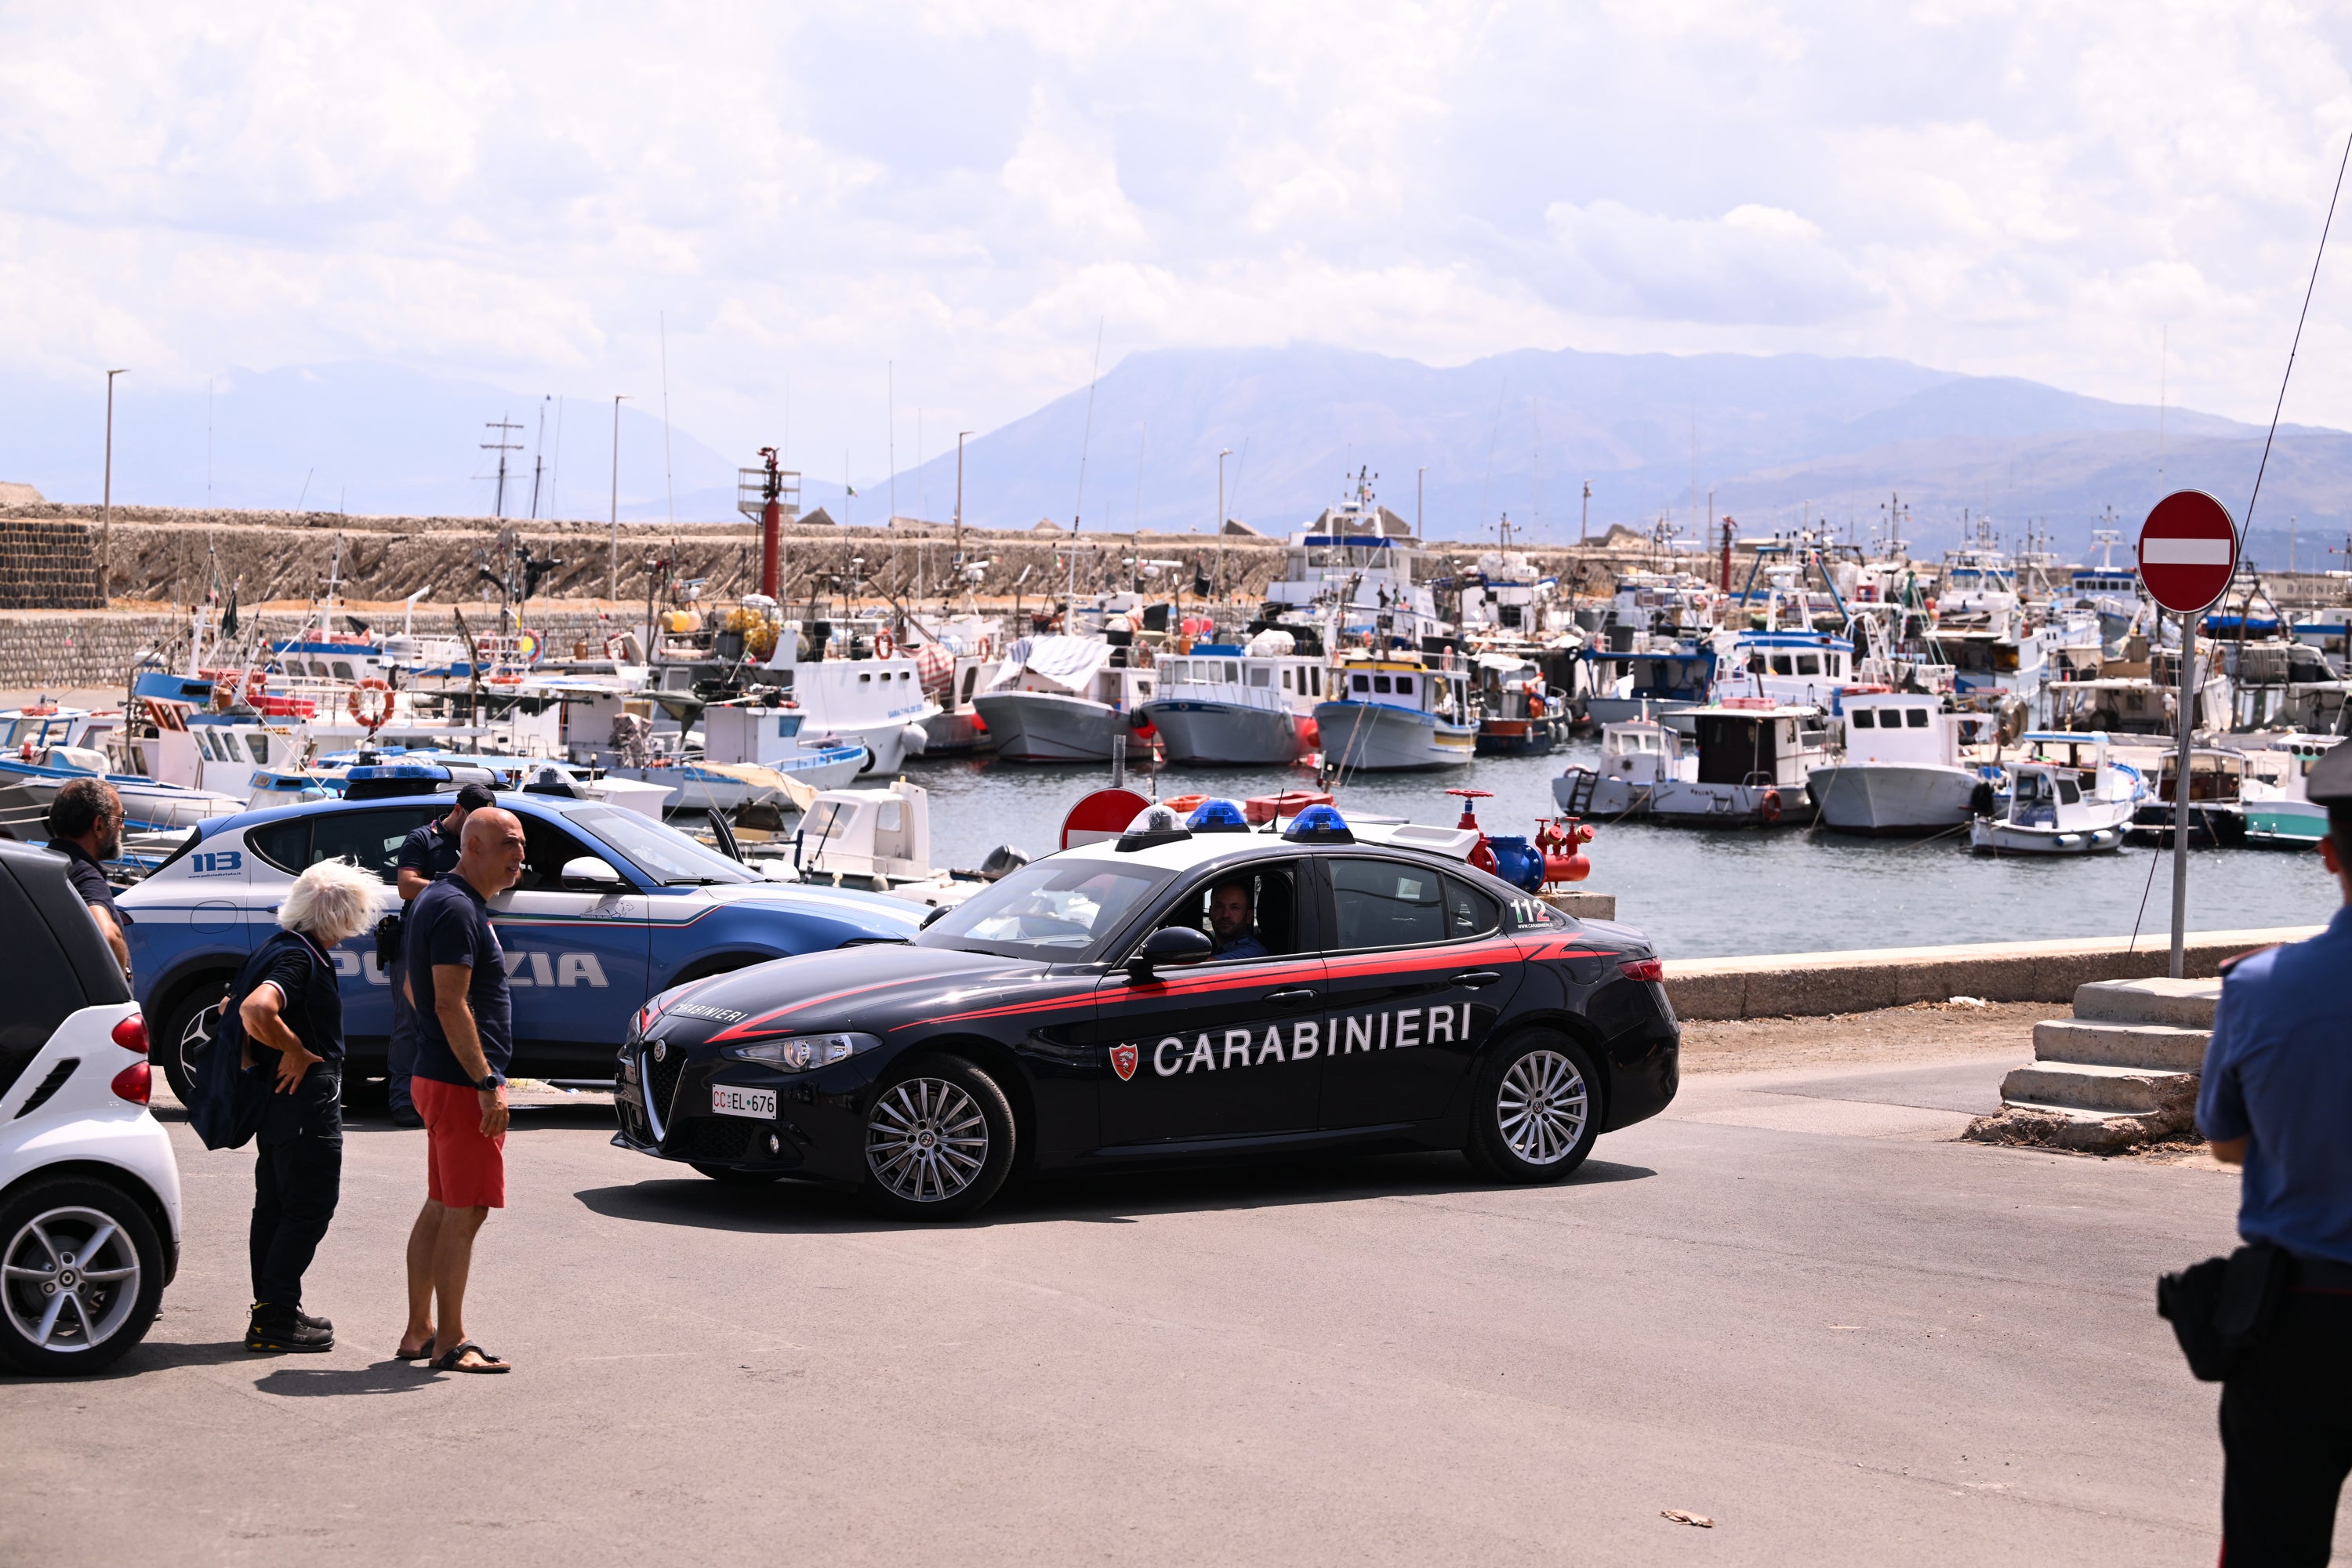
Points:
[(2094, 1086), (2157, 1047), (2182, 1004)]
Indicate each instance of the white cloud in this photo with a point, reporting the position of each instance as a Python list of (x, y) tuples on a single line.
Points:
[(965, 188)]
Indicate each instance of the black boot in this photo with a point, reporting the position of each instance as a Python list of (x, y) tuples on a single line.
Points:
[(278, 1328)]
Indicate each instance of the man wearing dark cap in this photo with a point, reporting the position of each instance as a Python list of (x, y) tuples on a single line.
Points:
[(429, 854), (2276, 1100)]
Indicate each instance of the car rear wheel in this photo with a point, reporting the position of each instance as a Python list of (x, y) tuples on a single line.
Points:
[(81, 1273), (1537, 1110), (939, 1140), (193, 1020)]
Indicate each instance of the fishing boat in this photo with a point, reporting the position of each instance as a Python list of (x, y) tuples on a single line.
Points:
[(2217, 816), (1650, 677), (1391, 712), (1225, 704), (1754, 757), (1636, 757), (1901, 772), (1517, 717), (2048, 812), (1356, 564), (28, 784), (2278, 813), (875, 702), (1065, 699)]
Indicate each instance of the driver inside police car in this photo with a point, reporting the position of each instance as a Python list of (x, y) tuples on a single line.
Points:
[(1233, 922)]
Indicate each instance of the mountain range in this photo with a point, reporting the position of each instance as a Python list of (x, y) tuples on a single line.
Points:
[(1774, 440)]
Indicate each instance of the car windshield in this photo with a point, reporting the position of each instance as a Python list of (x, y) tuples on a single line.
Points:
[(663, 853), (1054, 910)]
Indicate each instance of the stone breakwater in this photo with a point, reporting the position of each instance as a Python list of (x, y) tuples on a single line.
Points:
[(92, 651), (173, 555)]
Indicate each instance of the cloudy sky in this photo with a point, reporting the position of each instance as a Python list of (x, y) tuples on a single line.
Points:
[(958, 196)]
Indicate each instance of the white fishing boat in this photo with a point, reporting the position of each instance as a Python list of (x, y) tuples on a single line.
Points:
[(1901, 772), (957, 662), (2280, 813), (1800, 669), (27, 785), (1652, 676), (877, 703), (1636, 757), (1754, 757), (1356, 568), (878, 839), (2048, 812), (1392, 712), (1063, 699), (1222, 704)]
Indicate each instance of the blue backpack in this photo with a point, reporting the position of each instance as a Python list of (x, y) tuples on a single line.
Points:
[(228, 1100)]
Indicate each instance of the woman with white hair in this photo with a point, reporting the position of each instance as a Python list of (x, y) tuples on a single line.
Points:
[(292, 1010)]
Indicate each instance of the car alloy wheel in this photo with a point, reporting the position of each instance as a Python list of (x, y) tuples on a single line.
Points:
[(926, 1141), (69, 1279), (1541, 1108)]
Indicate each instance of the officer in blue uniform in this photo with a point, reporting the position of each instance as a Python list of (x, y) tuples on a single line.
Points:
[(2276, 1099), (429, 854)]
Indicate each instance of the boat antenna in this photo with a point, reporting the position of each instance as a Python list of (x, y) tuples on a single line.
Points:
[(2246, 528), (1086, 437)]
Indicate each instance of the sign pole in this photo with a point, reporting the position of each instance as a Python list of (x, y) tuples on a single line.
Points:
[(2188, 703)]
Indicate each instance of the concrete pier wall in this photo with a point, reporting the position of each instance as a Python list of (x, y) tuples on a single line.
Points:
[(1814, 984)]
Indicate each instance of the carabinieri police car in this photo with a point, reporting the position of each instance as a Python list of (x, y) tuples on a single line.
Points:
[(1193, 989), (612, 907)]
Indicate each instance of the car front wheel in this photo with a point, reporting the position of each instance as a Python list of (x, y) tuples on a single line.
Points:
[(1537, 1110), (81, 1273), (939, 1140)]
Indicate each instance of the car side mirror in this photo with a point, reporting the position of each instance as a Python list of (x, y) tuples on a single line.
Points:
[(1172, 945), (590, 871)]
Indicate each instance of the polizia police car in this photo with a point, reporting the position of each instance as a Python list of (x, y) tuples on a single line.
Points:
[(1189, 990), (613, 907)]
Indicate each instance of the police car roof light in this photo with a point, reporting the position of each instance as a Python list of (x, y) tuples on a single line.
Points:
[(1217, 816), (1156, 824), (1319, 824)]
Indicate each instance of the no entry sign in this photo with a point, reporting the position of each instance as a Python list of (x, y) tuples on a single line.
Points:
[(1102, 815), (2188, 550)]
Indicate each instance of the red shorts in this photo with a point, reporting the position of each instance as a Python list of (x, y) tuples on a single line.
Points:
[(463, 1170)]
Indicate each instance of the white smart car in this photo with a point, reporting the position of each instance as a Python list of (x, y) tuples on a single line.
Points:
[(90, 1193)]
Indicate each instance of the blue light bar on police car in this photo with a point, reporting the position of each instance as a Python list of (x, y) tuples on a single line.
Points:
[(1319, 824), (1217, 816), (367, 771)]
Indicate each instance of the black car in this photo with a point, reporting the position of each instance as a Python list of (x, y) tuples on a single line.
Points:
[(1167, 997)]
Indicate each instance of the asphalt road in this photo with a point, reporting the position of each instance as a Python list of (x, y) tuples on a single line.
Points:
[(1794, 1306)]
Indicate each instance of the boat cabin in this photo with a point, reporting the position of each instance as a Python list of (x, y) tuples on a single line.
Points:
[(1402, 683), (1765, 744), (1901, 727), (866, 833), (1640, 751), (1294, 681), (2214, 774)]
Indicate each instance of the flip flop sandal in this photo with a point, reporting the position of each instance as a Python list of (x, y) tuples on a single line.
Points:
[(425, 1354), (452, 1359)]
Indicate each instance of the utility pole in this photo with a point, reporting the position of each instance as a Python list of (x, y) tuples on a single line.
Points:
[(501, 446), (1222, 453), (1417, 476), (959, 512), (613, 562), (1584, 516), (106, 507)]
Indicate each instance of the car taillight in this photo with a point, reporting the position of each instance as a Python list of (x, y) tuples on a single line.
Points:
[(132, 1034), (134, 1083), (1643, 969)]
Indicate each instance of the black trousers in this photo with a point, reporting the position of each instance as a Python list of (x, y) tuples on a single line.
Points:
[(296, 1180), (2286, 1436)]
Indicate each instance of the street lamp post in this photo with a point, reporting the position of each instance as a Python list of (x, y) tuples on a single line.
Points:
[(106, 504), (1417, 475), (1584, 515), (613, 560), (959, 515), (1222, 453)]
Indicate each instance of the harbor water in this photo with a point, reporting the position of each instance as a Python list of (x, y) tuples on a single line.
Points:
[(1704, 893)]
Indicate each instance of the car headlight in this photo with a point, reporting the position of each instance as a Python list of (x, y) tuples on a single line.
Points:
[(799, 1053)]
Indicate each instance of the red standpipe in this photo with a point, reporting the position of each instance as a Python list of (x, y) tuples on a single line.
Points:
[(1726, 585), (771, 524)]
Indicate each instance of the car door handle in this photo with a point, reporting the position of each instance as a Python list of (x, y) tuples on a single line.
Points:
[(1294, 997), (1477, 977)]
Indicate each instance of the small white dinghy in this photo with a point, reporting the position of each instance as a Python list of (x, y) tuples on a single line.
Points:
[(2050, 813)]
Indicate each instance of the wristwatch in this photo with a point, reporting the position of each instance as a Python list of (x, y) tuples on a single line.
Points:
[(489, 1082)]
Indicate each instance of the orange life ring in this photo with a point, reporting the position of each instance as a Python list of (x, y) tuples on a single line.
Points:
[(985, 647), (369, 703), (885, 644), (1770, 806)]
